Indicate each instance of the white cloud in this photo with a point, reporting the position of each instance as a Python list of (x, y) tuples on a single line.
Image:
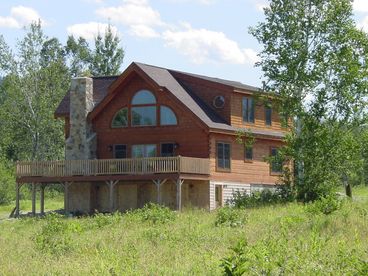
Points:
[(202, 45), (90, 30), (19, 17), (360, 5), (138, 15), (143, 31)]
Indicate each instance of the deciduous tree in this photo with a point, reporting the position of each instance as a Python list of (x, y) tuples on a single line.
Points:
[(315, 59)]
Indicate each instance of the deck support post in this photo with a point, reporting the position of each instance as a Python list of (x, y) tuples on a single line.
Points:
[(42, 199), (111, 184), (179, 183), (66, 196), (17, 205), (158, 184), (33, 199)]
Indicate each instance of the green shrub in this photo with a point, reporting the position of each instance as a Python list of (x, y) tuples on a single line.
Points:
[(55, 236), (281, 194), (326, 205), (155, 213), (228, 216), (266, 257), (286, 254)]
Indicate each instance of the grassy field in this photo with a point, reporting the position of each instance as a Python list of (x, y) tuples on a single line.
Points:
[(283, 239)]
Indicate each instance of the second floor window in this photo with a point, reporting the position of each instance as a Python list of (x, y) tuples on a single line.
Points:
[(223, 156), (120, 118), (276, 162), (167, 116), (144, 109), (248, 153), (248, 110), (268, 114)]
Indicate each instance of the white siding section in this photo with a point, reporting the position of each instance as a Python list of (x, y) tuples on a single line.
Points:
[(228, 189), (212, 196)]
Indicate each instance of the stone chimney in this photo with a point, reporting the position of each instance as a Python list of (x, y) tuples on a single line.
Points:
[(81, 143)]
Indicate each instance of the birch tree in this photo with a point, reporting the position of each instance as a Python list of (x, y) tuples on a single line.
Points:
[(36, 80), (315, 59)]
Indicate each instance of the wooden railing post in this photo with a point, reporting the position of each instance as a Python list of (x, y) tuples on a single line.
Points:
[(179, 183), (179, 164), (42, 199), (111, 184), (17, 205), (66, 197), (33, 199)]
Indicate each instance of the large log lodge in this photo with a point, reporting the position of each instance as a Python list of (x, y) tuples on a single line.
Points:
[(157, 135)]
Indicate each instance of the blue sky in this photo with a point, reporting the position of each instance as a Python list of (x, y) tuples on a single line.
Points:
[(208, 37)]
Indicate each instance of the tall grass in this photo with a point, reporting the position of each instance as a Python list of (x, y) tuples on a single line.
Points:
[(272, 240)]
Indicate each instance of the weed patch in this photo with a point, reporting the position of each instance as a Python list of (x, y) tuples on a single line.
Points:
[(228, 216), (155, 214), (100, 220), (56, 235)]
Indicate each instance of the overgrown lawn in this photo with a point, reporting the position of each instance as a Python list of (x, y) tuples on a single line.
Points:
[(281, 239)]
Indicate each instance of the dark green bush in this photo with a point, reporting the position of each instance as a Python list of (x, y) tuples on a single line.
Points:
[(326, 205), (228, 216), (281, 194), (155, 213)]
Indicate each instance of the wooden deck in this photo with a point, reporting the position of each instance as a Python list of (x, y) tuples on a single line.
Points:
[(111, 171), (113, 167)]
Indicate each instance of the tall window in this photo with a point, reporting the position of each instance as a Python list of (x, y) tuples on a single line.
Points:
[(248, 110), (223, 156), (120, 151), (139, 151), (120, 118), (167, 116), (268, 114), (276, 163), (248, 153), (143, 109)]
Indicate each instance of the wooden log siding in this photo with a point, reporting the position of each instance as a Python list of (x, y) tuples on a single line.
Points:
[(133, 166)]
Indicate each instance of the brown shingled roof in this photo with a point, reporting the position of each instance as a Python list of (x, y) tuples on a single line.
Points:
[(168, 79)]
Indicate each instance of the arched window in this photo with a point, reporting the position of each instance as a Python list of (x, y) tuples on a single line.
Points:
[(144, 109), (120, 118), (167, 116), (143, 97)]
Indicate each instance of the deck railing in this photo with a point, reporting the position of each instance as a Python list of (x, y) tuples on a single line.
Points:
[(135, 166)]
